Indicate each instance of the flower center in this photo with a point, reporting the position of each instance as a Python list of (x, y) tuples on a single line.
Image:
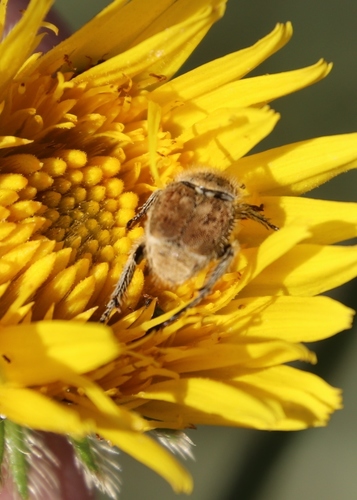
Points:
[(80, 164), (86, 144)]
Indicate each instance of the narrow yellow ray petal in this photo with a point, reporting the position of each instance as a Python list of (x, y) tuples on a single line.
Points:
[(43, 352), (214, 74), (265, 88), (180, 416), (39, 412), (281, 318), (203, 13), (159, 55), (142, 448), (180, 11), (122, 25), (108, 31), (214, 397), (151, 454), (154, 119), (307, 399), (295, 402), (18, 44), (328, 221), (250, 354), (226, 135), (273, 248), (104, 405), (247, 92), (299, 167), (306, 270)]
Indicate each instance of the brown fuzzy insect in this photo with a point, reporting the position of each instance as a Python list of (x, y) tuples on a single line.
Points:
[(189, 225)]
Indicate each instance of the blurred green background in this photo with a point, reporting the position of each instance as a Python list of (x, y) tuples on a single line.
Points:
[(318, 463)]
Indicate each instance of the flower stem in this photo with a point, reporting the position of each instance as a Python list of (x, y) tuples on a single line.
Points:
[(17, 453)]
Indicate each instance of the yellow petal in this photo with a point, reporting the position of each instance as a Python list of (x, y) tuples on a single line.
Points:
[(178, 416), (307, 400), (122, 26), (306, 270), (18, 44), (43, 352), (247, 92), (299, 167), (151, 454), (226, 135), (177, 12), (154, 119), (251, 353), (39, 412), (213, 75), (291, 399), (265, 88), (105, 407), (148, 60), (214, 398), (253, 261), (195, 18), (328, 221), (82, 43), (162, 53), (281, 318)]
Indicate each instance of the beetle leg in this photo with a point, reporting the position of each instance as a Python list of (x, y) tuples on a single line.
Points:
[(124, 281), (144, 209), (253, 212)]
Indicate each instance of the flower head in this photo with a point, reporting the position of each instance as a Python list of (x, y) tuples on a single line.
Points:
[(88, 131)]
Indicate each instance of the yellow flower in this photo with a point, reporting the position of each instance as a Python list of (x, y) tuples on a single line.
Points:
[(88, 131)]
